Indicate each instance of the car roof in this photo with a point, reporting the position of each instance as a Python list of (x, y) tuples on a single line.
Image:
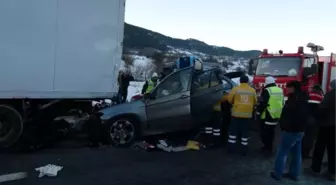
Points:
[(205, 68)]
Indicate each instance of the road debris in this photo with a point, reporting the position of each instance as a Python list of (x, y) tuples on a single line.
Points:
[(166, 146), (179, 149), (143, 146), (13, 176), (50, 170), (193, 145)]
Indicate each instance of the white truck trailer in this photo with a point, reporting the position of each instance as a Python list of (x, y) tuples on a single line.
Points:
[(55, 56)]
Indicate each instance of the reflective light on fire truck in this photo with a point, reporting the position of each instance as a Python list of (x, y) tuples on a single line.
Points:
[(281, 85), (300, 50)]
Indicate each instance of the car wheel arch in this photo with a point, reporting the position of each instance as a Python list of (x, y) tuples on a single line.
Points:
[(130, 116)]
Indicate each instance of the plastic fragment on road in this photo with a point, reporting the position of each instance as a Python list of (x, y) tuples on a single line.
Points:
[(50, 170), (163, 143), (180, 149), (13, 176), (165, 148), (193, 145), (144, 146)]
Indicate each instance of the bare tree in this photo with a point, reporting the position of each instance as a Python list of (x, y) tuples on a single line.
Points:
[(129, 61), (225, 64), (142, 72), (211, 59), (158, 61)]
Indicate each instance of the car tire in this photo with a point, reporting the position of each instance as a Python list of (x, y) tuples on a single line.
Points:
[(115, 131), (11, 126)]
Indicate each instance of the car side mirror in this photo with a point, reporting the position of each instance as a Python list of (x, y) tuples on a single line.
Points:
[(250, 67), (306, 72), (314, 68)]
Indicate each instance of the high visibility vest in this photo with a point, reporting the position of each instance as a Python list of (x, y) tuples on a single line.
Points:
[(243, 98), (150, 86), (275, 102)]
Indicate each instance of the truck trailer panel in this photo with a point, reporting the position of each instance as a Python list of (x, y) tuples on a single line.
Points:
[(60, 49)]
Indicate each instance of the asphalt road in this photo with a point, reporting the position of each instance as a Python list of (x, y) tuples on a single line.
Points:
[(111, 166)]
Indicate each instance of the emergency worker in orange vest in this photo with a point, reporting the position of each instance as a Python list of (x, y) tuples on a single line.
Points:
[(243, 98)]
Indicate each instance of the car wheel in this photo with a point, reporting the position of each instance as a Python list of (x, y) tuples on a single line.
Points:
[(11, 126), (123, 131)]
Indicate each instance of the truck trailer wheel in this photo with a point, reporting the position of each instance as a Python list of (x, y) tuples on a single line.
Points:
[(123, 131), (11, 126)]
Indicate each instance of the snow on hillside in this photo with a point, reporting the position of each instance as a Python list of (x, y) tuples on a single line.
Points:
[(185, 52)]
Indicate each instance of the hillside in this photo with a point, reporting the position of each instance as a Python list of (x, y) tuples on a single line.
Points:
[(139, 38)]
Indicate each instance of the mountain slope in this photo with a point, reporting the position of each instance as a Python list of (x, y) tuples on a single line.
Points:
[(139, 38)]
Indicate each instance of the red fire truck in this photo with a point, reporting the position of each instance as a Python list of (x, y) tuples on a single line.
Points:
[(310, 69)]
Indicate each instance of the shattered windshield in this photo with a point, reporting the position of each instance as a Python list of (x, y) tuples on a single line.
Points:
[(278, 66)]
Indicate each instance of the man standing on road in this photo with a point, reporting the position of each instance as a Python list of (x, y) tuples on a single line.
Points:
[(315, 99), (269, 109), (124, 80), (150, 84), (326, 135), (242, 98), (293, 122), (213, 130)]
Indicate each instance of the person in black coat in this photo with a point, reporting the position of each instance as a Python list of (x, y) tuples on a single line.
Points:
[(326, 135), (293, 122), (124, 80), (315, 99)]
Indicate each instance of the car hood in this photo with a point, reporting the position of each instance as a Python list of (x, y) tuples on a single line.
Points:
[(124, 108)]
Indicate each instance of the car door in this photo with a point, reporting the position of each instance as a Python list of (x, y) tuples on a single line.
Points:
[(169, 109), (205, 95)]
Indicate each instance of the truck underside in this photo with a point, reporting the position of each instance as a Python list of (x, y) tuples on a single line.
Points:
[(28, 124)]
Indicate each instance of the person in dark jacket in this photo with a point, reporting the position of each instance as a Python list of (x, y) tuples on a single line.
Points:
[(268, 121), (326, 135), (165, 72), (124, 79), (293, 124), (315, 98)]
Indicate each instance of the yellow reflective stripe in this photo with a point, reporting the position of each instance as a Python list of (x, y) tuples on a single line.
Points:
[(274, 110), (242, 114), (242, 92), (217, 108), (271, 123)]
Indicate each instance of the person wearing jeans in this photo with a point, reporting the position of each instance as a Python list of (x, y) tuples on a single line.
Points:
[(326, 135), (293, 124)]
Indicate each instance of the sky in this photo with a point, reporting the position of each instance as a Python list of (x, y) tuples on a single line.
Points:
[(241, 24)]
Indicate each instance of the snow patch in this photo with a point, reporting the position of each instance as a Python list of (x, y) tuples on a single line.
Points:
[(134, 89)]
